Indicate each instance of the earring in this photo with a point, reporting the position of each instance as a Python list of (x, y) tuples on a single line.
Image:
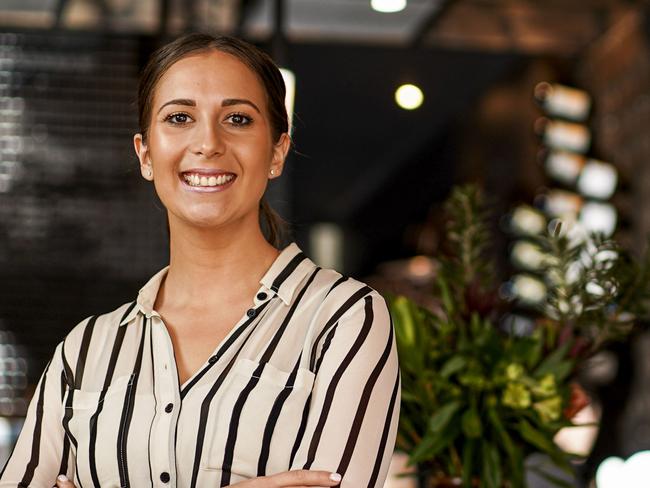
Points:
[(272, 172), (149, 173)]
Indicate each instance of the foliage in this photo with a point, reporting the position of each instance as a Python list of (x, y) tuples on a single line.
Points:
[(478, 398)]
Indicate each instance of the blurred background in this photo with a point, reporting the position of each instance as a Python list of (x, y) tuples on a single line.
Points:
[(545, 104)]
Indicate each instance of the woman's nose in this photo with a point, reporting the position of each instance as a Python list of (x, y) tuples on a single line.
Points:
[(209, 141)]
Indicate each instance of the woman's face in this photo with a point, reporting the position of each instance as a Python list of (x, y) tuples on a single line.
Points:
[(209, 149)]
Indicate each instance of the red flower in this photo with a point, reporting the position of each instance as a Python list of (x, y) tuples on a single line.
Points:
[(577, 400)]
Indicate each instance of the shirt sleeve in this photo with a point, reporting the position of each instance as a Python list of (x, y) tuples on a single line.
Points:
[(40, 453), (350, 423)]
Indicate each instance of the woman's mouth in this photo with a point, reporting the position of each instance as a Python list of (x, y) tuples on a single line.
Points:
[(206, 181)]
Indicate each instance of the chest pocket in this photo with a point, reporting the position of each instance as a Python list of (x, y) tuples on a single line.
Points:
[(257, 419), (97, 415)]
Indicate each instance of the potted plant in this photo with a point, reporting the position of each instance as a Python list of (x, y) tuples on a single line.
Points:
[(479, 397)]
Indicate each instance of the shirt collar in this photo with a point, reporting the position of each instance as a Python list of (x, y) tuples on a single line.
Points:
[(282, 278)]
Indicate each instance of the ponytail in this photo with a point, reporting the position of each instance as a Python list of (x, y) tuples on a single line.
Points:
[(273, 226)]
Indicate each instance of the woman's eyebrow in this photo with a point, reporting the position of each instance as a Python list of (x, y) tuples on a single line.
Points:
[(227, 102), (179, 101)]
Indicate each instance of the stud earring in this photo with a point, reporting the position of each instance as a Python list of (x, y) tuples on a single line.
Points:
[(149, 173), (272, 172)]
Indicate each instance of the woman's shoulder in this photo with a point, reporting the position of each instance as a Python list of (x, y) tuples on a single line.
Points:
[(103, 324), (345, 295), (345, 287)]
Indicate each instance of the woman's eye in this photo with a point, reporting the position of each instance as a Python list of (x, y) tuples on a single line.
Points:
[(239, 119), (177, 118)]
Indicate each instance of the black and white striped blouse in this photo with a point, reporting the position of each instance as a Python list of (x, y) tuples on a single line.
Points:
[(307, 379)]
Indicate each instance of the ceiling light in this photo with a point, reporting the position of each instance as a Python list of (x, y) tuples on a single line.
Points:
[(562, 203), (632, 473), (598, 217), (527, 255), (528, 289), (563, 101), (388, 6), (409, 97), (527, 220), (598, 180)]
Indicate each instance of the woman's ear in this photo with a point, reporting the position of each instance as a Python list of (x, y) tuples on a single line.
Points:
[(142, 151), (280, 151)]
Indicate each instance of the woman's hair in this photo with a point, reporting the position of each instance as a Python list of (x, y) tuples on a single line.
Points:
[(258, 61)]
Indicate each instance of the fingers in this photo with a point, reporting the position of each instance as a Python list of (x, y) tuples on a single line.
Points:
[(299, 478), (62, 481)]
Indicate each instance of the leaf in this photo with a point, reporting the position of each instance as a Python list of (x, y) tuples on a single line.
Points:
[(468, 463), (544, 444), (453, 365), (552, 360), (404, 322), (562, 370), (442, 417), (471, 423), (515, 458), (422, 450), (491, 472), (433, 443), (536, 350), (408, 396), (445, 295)]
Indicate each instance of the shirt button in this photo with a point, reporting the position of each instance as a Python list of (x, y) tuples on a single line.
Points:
[(261, 296), (251, 312), (164, 477), (169, 407), (212, 360)]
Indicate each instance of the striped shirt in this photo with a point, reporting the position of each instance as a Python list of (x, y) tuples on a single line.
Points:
[(307, 379)]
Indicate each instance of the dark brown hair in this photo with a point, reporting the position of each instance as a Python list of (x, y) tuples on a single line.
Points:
[(258, 61)]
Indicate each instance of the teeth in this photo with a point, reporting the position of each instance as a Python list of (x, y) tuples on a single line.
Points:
[(206, 181)]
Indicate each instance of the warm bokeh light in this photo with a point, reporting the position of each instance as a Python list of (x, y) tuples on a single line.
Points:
[(613, 472), (409, 97), (598, 180), (388, 6), (290, 96), (527, 220), (599, 217)]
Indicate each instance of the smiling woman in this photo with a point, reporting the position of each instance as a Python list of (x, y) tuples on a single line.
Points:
[(239, 364)]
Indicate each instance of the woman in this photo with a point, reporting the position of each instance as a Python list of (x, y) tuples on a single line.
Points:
[(238, 364)]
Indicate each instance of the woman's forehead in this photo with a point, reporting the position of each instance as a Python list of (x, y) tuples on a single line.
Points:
[(212, 74)]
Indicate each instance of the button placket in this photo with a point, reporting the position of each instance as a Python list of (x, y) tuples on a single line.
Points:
[(167, 390)]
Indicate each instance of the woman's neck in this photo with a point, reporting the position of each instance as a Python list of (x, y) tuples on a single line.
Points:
[(209, 266)]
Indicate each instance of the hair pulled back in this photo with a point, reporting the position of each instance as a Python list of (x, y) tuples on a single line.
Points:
[(257, 60)]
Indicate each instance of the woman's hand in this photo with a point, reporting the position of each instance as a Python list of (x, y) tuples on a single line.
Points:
[(297, 478), (62, 481)]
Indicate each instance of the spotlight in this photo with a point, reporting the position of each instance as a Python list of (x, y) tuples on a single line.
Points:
[(613, 472), (526, 220), (597, 180), (563, 101), (526, 255), (598, 217), (558, 134), (388, 6), (409, 97), (564, 166), (527, 289), (561, 203)]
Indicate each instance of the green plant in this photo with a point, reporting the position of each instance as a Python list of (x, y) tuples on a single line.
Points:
[(478, 398)]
